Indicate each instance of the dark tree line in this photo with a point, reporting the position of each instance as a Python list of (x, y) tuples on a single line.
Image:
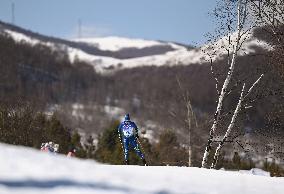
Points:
[(20, 124)]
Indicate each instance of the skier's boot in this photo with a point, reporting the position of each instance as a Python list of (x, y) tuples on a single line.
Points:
[(144, 162), (126, 162)]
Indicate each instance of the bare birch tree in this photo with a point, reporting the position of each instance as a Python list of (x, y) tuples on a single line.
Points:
[(234, 18), (270, 14), (233, 121), (190, 120)]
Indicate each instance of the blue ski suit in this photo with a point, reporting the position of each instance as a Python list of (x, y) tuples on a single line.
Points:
[(129, 131)]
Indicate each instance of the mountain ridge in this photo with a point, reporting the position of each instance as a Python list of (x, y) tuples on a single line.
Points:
[(109, 54)]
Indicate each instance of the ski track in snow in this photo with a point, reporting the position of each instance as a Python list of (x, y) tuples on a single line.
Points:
[(28, 171)]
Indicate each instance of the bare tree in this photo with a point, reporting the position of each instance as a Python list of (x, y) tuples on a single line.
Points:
[(234, 18), (270, 14), (233, 121), (190, 120)]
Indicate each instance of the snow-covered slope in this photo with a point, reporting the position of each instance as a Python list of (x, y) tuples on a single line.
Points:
[(180, 56), (114, 43), (28, 171), (108, 54)]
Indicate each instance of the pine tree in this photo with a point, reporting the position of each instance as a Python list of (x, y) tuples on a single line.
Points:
[(76, 143), (169, 151), (109, 146)]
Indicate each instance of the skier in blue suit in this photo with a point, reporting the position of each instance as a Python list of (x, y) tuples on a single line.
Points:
[(128, 132)]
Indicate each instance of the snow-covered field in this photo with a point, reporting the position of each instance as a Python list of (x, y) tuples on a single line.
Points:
[(25, 171)]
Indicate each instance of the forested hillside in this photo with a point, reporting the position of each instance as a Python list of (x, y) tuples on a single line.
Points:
[(157, 97)]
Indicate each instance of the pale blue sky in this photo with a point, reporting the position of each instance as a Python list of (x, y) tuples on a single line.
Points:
[(184, 21)]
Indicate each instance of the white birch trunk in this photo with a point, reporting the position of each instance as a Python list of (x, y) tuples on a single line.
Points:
[(232, 124), (223, 91), (242, 97), (189, 154), (190, 119)]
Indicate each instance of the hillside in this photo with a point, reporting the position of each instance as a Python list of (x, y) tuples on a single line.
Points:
[(28, 171), (42, 70), (108, 54)]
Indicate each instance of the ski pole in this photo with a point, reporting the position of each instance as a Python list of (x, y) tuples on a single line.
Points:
[(120, 139), (140, 145)]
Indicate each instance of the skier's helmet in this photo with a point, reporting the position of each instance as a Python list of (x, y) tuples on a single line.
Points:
[(127, 117)]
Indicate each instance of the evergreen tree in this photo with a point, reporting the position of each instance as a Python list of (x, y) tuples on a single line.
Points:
[(169, 151), (109, 146), (76, 143), (57, 133)]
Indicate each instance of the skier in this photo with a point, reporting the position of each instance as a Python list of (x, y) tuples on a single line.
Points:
[(56, 148), (71, 152), (44, 147), (49, 147), (128, 134)]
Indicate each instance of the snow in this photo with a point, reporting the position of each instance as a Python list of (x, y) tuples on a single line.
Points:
[(18, 37), (180, 56), (113, 111), (113, 43), (78, 111), (149, 134), (77, 106), (255, 171), (28, 171), (218, 49)]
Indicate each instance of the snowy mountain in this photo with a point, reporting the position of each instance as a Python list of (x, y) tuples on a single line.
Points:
[(116, 53), (28, 171), (113, 43)]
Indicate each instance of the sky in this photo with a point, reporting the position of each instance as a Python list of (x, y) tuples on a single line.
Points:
[(182, 21)]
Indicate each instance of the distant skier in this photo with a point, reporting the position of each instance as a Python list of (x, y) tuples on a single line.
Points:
[(71, 152), (128, 133), (49, 147), (44, 147), (56, 148)]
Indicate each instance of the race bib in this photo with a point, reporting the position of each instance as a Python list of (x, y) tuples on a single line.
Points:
[(128, 130)]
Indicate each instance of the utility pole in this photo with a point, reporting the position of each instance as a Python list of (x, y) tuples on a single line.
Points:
[(79, 28), (13, 13)]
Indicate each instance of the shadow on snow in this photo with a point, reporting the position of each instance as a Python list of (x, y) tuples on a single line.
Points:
[(50, 184)]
